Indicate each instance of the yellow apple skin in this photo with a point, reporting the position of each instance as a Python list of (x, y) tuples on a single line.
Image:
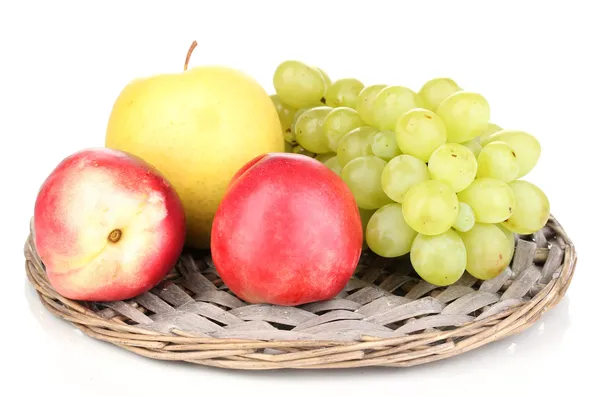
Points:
[(107, 226), (198, 128)]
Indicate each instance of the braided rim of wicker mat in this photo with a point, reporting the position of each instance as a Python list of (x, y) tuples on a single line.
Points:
[(386, 315)]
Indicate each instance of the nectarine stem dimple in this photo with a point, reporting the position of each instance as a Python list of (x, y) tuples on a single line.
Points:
[(115, 235), (189, 55)]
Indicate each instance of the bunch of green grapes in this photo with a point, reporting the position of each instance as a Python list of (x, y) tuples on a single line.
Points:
[(432, 177)]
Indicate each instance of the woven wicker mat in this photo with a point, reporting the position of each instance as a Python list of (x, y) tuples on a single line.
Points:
[(386, 315)]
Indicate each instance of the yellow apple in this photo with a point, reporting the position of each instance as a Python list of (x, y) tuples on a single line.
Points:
[(198, 128)]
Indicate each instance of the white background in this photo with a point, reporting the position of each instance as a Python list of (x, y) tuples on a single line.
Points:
[(63, 64)]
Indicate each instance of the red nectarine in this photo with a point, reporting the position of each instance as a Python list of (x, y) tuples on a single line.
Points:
[(287, 232), (107, 226)]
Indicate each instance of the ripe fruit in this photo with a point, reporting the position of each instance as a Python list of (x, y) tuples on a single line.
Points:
[(107, 226), (287, 232), (488, 250), (526, 147), (387, 233), (298, 84), (197, 128), (428, 168), (439, 259), (492, 200), (466, 115), (531, 210)]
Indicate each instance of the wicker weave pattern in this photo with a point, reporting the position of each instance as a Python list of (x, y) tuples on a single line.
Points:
[(385, 316)]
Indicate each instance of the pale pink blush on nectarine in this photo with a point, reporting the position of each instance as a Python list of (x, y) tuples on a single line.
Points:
[(107, 226)]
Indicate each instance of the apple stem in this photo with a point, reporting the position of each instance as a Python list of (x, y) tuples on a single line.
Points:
[(189, 55)]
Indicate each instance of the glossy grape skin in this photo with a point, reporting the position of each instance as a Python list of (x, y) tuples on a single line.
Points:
[(420, 132), (465, 219), (531, 209), (492, 200), (338, 123), (363, 177), (498, 160), (384, 145), (391, 103), (491, 129), (434, 91), (333, 164), (324, 157), (325, 77), (364, 103), (400, 174), (309, 130), (299, 85), (344, 92), (365, 216), (387, 233), (286, 116), (297, 149), (454, 164), (474, 145), (356, 143), (525, 145), (465, 114), (488, 250), (510, 236), (430, 207), (439, 259)]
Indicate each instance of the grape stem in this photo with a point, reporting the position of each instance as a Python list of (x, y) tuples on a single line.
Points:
[(189, 55)]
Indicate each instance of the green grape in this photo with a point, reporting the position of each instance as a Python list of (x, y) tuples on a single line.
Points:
[(439, 259), (531, 210), (474, 146), (492, 200), (324, 157), (365, 216), (286, 116), (289, 147), (325, 77), (364, 104), (488, 250), (344, 92), (384, 145), (355, 143), (298, 113), (419, 132), (435, 91), (391, 103), (309, 130), (339, 122), (466, 218), (400, 174), (299, 85), (525, 145), (292, 133), (363, 177), (453, 164), (466, 115), (387, 233), (301, 150), (511, 241), (430, 207), (333, 164), (491, 129), (498, 160)]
